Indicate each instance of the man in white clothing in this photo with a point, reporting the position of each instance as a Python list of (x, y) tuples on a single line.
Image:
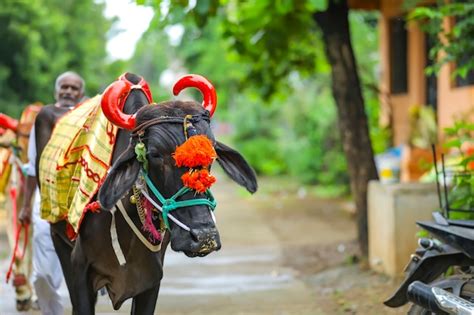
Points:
[(47, 274)]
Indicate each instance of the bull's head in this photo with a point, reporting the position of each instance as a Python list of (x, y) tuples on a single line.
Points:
[(171, 151)]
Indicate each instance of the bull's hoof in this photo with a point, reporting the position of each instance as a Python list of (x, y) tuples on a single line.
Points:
[(34, 304), (23, 305)]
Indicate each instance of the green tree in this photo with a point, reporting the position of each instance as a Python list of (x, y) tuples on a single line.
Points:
[(278, 38), (153, 54), (41, 39), (85, 34), (451, 44)]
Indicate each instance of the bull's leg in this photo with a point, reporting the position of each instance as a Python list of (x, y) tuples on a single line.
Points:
[(145, 302), (86, 297), (64, 247)]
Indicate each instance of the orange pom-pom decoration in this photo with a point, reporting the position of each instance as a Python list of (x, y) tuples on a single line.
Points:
[(198, 180), (197, 151)]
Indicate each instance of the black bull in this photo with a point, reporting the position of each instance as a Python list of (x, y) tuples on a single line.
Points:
[(90, 263)]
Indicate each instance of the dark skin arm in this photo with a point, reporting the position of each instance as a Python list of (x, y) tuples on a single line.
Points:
[(44, 125), (25, 213)]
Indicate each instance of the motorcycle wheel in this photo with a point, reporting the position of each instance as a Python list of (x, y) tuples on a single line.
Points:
[(467, 292)]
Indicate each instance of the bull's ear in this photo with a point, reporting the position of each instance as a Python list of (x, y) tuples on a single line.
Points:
[(120, 179), (236, 167)]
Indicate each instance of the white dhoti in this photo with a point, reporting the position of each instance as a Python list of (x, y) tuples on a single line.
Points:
[(47, 272)]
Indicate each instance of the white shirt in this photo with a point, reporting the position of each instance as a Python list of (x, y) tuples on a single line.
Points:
[(30, 167)]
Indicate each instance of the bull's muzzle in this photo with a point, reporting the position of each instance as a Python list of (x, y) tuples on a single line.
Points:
[(205, 241)]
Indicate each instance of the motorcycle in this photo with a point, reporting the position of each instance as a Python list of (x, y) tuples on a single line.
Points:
[(440, 274)]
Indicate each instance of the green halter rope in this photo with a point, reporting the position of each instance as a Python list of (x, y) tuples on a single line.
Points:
[(171, 204)]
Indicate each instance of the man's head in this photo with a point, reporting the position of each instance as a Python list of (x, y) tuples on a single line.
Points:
[(69, 89)]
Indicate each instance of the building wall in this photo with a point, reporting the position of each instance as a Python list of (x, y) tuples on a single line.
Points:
[(452, 101), (399, 104)]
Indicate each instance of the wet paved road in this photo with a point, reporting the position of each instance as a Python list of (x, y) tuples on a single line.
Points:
[(250, 275)]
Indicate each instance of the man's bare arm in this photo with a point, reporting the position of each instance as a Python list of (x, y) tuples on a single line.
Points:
[(44, 126), (25, 213), (41, 137)]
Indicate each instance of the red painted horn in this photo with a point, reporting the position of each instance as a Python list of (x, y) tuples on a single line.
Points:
[(114, 98), (209, 95), (8, 123)]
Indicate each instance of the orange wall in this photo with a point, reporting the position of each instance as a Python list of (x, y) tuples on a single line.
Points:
[(400, 103), (454, 102)]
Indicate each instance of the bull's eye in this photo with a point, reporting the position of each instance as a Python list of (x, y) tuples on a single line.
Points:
[(155, 155)]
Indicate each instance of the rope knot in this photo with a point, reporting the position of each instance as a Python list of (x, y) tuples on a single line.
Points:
[(169, 205)]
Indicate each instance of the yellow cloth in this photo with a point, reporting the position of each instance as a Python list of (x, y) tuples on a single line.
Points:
[(5, 169), (26, 122), (75, 161)]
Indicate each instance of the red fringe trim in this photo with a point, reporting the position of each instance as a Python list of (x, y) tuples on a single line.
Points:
[(93, 207), (70, 232)]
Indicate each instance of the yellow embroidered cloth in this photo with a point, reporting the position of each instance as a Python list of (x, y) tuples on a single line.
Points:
[(5, 169), (27, 119), (26, 122), (75, 161)]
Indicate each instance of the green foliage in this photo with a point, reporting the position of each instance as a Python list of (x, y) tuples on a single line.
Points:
[(456, 43), (261, 133), (206, 51), (365, 35), (313, 147), (43, 38), (423, 128), (258, 134), (274, 38), (153, 55), (461, 193), (251, 50)]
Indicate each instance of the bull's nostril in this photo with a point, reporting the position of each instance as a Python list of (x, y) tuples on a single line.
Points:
[(194, 235)]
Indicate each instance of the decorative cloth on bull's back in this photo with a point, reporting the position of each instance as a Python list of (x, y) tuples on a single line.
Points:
[(27, 120), (75, 161), (5, 154)]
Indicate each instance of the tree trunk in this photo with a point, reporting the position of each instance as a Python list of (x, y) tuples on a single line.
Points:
[(334, 24)]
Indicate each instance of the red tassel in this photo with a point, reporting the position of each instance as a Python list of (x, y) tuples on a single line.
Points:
[(19, 280), (196, 151), (70, 233), (93, 207), (198, 180)]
